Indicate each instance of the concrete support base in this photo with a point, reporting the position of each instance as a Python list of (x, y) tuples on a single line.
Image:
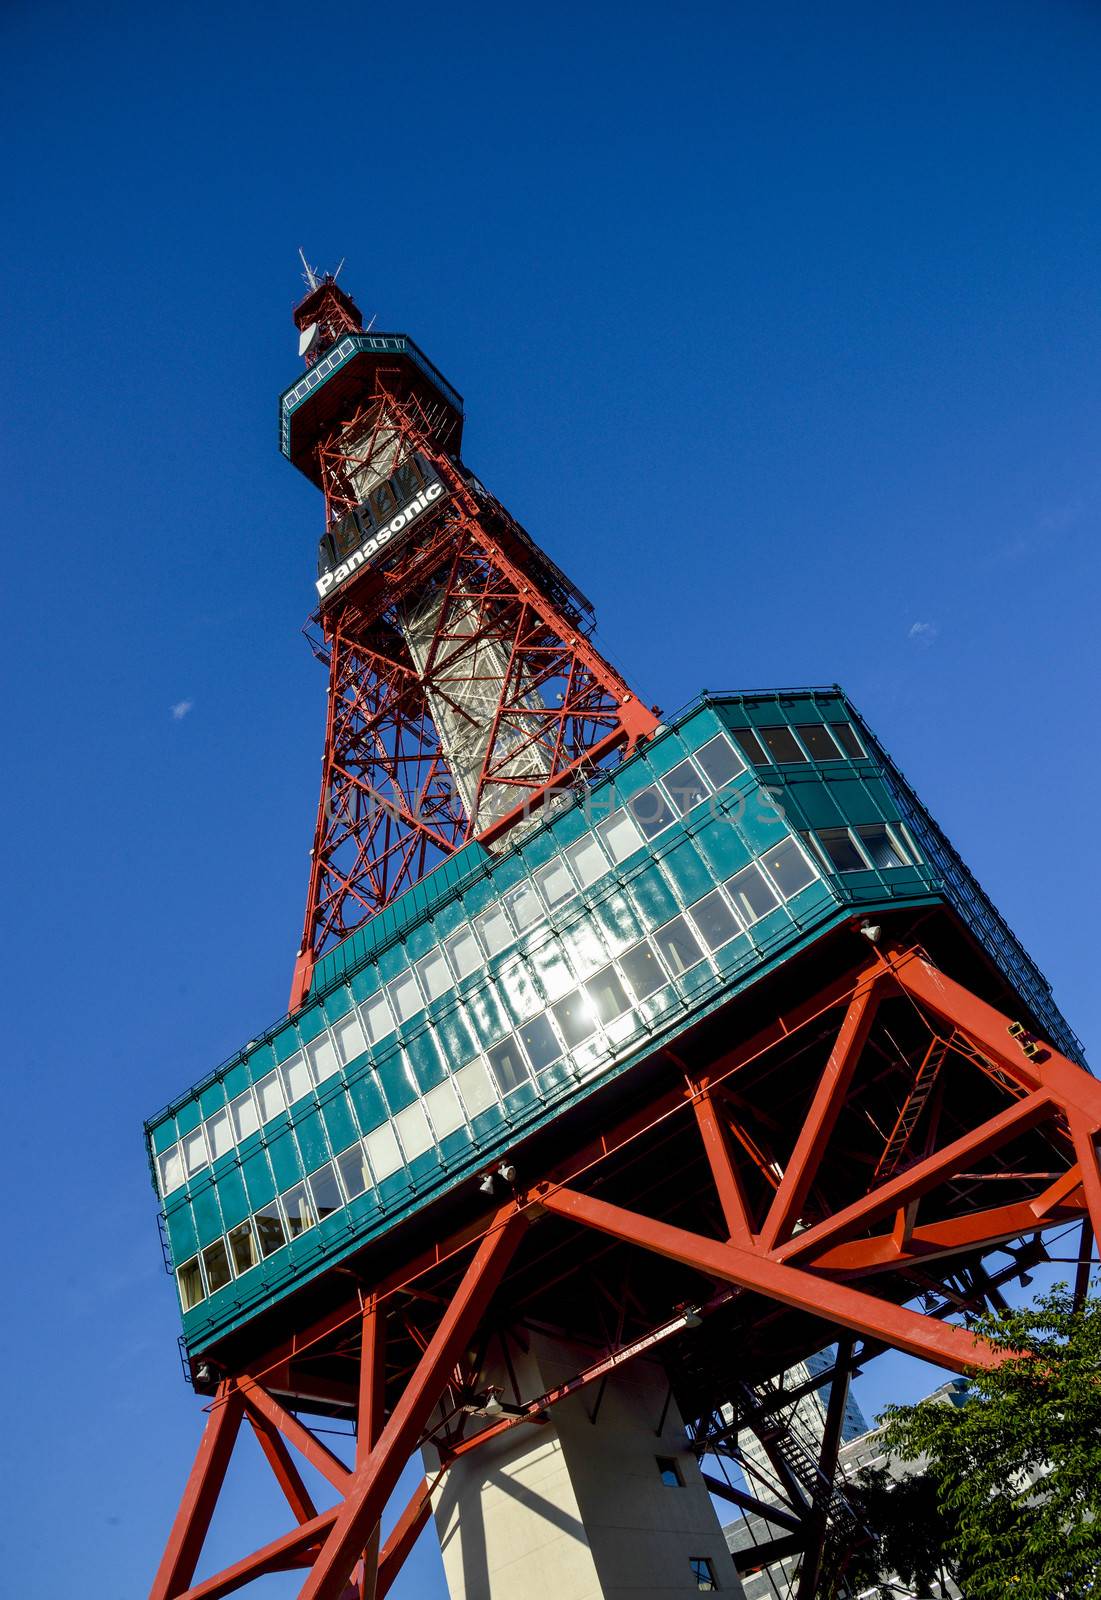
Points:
[(576, 1509)]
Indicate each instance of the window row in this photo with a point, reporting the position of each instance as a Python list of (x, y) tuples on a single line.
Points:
[(806, 741), (586, 1021), (460, 956), (857, 849)]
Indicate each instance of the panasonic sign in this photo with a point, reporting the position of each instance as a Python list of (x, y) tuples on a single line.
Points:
[(390, 509)]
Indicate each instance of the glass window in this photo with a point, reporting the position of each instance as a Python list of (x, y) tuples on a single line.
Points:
[(752, 894), (703, 1573), (555, 883), (752, 746), (243, 1112), (643, 970), (354, 1174), (677, 946), (715, 920), (540, 1041), (651, 811), (435, 978), (322, 1056), (216, 1263), (405, 996), (327, 1197), (789, 868), (781, 744), (619, 836), (269, 1227), (170, 1169), (349, 1038), (507, 1064), (464, 953), (819, 741), (685, 787), (524, 905), (585, 949), (845, 734), (881, 845), (192, 1292), (476, 1088), (444, 1110), (841, 850), (587, 860), (269, 1097), (607, 995), (576, 1017), (297, 1078), (377, 1017), (669, 1472), (243, 1247), (720, 761), (194, 1151), (413, 1131), (514, 980), (382, 1147), (494, 929), (298, 1210), (219, 1134)]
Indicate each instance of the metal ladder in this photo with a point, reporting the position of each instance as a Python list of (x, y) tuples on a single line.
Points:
[(898, 1141)]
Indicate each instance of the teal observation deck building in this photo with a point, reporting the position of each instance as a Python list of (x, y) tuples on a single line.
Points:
[(504, 989)]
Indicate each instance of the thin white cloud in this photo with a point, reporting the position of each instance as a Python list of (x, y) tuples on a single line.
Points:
[(922, 632), (180, 709)]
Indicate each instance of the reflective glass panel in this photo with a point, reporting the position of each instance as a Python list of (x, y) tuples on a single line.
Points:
[(494, 929), (540, 1041), (194, 1151), (413, 1130), (845, 734), (619, 836), (840, 848), (327, 1197), (378, 1019), (354, 1174), (752, 746), (298, 1210), (677, 946), (685, 787), (322, 1057), (715, 920), (789, 868), (297, 1078), (170, 1168), (651, 811), (607, 995), (243, 1112), (720, 761), (751, 893), (216, 1262), (444, 1110), (587, 860), (269, 1228), (464, 953), (405, 996), (524, 905), (434, 974), (382, 1147), (576, 1017), (243, 1247), (219, 1134), (269, 1097), (507, 1064), (190, 1277), (555, 883), (476, 1088), (349, 1038), (820, 741), (643, 970), (881, 845)]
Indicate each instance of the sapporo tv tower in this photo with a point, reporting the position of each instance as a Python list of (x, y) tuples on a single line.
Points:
[(627, 1064)]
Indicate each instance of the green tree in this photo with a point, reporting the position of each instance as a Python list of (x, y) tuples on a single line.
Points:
[(912, 1535), (1017, 1470)]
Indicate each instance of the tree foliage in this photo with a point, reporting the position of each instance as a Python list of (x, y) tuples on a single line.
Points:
[(912, 1533), (1016, 1472)]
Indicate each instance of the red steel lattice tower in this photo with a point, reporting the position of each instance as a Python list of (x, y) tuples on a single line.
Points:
[(464, 687)]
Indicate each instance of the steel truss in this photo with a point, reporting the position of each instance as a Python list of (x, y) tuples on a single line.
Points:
[(798, 1230), (501, 668)]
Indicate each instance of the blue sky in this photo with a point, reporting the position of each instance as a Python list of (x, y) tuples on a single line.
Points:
[(778, 326)]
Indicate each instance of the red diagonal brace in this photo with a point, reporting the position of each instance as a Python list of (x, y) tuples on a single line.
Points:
[(318, 1455), (727, 1182), (200, 1495), (287, 1474), (935, 1341), (818, 1124), (375, 1479)]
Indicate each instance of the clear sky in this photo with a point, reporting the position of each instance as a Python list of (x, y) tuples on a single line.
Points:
[(778, 325)]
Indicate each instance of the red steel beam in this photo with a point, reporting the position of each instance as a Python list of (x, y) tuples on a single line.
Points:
[(732, 1197), (374, 1480), (403, 1536), (277, 1556), (287, 1474), (1085, 1148), (923, 1175), (819, 1122), (939, 1342), (980, 1229), (200, 1495), (318, 1455), (372, 1387)]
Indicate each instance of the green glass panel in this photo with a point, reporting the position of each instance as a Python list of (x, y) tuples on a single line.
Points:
[(455, 1038), (261, 1061), (653, 899), (339, 1122), (486, 1017), (188, 1117), (394, 1077), (182, 1238), (285, 1043), (164, 1134), (208, 1216), (424, 1060), (212, 1099), (367, 1099), (236, 1080), (283, 1155), (311, 1023), (683, 865), (258, 1179), (310, 1132), (233, 1197)]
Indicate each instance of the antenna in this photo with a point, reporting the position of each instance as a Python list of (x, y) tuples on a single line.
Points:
[(310, 273), (336, 274)]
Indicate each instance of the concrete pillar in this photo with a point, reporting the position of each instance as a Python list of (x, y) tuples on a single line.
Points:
[(577, 1510)]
